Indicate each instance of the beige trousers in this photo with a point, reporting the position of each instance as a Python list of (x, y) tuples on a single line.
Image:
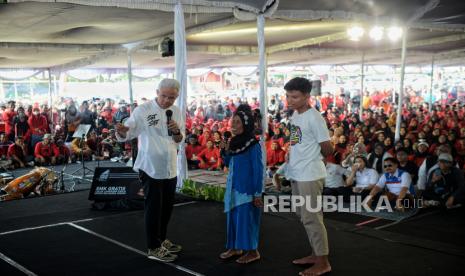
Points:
[(312, 221)]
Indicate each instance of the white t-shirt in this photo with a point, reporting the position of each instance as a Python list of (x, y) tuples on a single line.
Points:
[(365, 178), (334, 173), (394, 183), (308, 130), (157, 152)]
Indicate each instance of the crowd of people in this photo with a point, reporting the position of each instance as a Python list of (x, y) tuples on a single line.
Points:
[(431, 148), (35, 135), (427, 161)]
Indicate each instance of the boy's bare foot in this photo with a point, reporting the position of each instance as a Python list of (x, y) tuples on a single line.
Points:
[(305, 260), (320, 267)]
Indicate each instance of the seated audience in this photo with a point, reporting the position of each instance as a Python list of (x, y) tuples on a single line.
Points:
[(274, 156), (81, 150), (406, 165), (193, 149), (64, 154), (395, 184), (18, 154), (365, 178), (335, 184), (45, 152), (210, 158), (445, 183)]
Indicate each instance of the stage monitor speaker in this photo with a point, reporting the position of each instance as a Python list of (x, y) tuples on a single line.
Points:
[(115, 183), (166, 47)]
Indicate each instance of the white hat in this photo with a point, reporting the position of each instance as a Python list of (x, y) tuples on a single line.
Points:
[(445, 157), (423, 142)]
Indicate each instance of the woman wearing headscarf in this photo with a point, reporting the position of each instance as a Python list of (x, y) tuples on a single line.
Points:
[(244, 187)]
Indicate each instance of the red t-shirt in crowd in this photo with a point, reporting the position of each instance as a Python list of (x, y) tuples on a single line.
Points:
[(64, 150), (210, 156), (203, 140), (16, 150), (42, 150), (7, 117), (193, 149), (38, 124), (274, 157)]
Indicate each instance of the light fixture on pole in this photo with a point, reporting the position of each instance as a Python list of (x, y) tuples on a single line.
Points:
[(376, 33), (355, 33), (394, 33)]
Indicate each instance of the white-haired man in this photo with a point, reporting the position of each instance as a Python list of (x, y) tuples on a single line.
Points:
[(156, 163)]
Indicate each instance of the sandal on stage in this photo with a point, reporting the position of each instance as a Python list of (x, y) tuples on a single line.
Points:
[(246, 259), (230, 253)]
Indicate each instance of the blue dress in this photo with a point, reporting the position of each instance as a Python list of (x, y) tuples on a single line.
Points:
[(244, 182)]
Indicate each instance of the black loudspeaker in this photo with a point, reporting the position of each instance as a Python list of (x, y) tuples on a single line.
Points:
[(316, 88), (115, 183), (166, 47)]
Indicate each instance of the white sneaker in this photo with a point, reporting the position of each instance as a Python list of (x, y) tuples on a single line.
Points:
[(161, 254)]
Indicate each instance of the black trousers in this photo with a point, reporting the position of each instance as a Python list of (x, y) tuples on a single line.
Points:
[(159, 200)]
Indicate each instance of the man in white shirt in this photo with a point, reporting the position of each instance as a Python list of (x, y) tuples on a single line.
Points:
[(310, 143), (156, 163)]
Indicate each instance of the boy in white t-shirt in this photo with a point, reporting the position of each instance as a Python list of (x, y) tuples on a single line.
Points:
[(310, 143)]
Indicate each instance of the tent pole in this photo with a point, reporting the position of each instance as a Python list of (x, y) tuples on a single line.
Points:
[(131, 98), (31, 91), (362, 86), (335, 81), (401, 87), (430, 106), (262, 67), (15, 89), (180, 58), (50, 101), (55, 86), (393, 81)]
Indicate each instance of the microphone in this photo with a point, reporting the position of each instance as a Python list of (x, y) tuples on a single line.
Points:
[(169, 114)]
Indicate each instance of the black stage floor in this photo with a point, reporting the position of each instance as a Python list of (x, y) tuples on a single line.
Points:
[(61, 235)]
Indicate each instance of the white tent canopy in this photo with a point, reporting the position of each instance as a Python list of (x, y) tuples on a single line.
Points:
[(63, 35)]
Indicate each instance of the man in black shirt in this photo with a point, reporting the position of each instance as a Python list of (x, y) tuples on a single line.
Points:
[(407, 165)]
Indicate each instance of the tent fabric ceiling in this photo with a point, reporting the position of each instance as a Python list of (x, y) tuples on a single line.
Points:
[(400, 8), (68, 23), (64, 34)]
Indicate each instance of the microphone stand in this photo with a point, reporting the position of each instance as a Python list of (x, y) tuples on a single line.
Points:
[(84, 168), (98, 152)]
